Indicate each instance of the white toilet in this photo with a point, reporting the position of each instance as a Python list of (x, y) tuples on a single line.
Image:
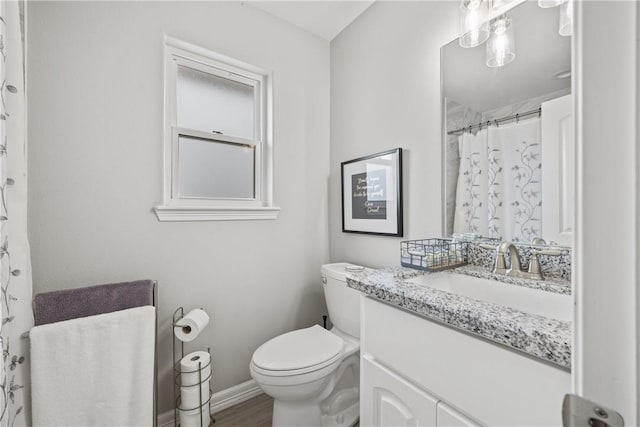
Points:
[(313, 374)]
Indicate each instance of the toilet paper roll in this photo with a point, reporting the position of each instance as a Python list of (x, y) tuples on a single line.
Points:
[(190, 367), (191, 325), (194, 418), (195, 378), (190, 397)]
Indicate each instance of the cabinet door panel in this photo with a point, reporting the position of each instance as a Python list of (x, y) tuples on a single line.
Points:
[(449, 417), (509, 390), (389, 400)]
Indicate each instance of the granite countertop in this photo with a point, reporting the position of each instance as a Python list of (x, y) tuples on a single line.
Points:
[(550, 285), (541, 337)]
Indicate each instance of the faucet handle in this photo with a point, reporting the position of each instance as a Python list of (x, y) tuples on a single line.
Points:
[(534, 264), (500, 266), (487, 246), (550, 252)]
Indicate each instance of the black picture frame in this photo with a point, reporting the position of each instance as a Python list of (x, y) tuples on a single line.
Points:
[(372, 194)]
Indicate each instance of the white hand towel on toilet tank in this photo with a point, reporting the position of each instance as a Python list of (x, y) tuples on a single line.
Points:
[(94, 371)]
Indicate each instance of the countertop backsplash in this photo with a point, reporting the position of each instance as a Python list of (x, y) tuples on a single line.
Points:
[(553, 267)]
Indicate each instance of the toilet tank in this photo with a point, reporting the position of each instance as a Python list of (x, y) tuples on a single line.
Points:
[(342, 301)]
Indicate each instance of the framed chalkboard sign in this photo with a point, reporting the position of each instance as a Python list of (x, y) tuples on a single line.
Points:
[(372, 194)]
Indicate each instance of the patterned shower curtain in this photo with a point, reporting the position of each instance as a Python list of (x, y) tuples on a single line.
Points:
[(15, 267), (499, 188)]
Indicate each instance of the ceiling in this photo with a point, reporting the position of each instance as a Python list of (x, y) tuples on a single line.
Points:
[(323, 18), (541, 53)]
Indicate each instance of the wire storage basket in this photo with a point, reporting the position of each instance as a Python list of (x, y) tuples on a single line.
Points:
[(433, 254)]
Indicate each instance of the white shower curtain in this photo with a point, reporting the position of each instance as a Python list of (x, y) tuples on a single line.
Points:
[(15, 268), (499, 189)]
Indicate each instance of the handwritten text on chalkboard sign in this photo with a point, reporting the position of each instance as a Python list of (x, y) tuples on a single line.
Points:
[(369, 195)]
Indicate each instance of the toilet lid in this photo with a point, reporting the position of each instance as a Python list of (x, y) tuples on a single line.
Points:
[(299, 349)]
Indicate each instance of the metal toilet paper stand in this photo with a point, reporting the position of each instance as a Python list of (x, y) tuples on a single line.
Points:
[(177, 383)]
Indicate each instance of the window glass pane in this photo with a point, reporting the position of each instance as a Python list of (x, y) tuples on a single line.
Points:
[(212, 169), (210, 103)]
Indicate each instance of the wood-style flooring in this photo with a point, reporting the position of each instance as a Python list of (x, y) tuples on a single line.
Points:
[(255, 412)]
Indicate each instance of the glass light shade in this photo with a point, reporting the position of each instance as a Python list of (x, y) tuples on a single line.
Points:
[(565, 28), (497, 4), (545, 4), (501, 45), (474, 24)]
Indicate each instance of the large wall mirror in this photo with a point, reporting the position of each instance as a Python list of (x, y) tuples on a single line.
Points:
[(508, 146)]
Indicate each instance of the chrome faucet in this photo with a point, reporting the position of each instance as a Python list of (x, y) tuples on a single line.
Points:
[(515, 269), (514, 256)]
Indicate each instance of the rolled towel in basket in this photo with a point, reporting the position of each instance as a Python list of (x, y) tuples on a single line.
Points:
[(443, 257)]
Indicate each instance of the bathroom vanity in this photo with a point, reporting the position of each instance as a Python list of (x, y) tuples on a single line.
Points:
[(470, 347), (448, 349)]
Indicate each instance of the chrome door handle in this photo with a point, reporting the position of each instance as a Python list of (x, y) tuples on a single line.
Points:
[(578, 411)]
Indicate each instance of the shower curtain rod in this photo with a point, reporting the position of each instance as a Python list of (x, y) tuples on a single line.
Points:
[(496, 122)]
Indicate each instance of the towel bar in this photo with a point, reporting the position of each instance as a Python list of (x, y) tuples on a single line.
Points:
[(154, 303)]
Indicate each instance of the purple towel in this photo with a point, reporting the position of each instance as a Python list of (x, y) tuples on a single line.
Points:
[(50, 307)]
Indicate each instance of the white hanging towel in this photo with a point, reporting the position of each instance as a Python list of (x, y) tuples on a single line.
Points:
[(94, 371)]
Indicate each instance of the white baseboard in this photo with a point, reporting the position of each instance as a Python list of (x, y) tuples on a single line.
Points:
[(233, 395), (221, 400)]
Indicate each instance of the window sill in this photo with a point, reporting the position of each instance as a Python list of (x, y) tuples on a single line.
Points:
[(197, 213)]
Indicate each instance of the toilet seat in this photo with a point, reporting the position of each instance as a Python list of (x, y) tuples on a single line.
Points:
[(298, 352), (313, 375)]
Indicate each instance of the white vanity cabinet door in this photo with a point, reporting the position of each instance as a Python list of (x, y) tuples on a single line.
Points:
[(387, 400), (489, 382), (449, 417)]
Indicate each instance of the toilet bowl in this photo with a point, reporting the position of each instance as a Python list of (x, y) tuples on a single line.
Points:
[(313, 374)]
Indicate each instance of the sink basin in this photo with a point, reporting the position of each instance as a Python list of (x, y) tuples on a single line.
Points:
[(535, 301)]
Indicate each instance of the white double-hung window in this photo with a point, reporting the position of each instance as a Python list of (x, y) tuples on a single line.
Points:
[(217, 132)]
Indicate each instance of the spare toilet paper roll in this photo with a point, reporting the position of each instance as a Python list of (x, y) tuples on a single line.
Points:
[(190, 326), (190, 397), (194, 391), (195, 418), (190, 367)]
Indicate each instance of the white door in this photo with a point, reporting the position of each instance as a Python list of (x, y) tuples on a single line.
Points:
[(387, 400), (558, 170), (606, 261)]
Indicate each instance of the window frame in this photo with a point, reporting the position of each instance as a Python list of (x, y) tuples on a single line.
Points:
[(174, 208)]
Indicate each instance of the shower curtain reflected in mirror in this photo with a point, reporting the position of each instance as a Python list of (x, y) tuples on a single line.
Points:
[(499, 189)]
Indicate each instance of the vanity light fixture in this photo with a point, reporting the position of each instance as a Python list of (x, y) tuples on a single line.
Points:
[(545, 4), (501, 45), (497, 4), (565, 28), (474, 24)]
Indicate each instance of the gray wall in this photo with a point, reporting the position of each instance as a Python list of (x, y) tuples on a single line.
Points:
[(385, 93), (95, 171)]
